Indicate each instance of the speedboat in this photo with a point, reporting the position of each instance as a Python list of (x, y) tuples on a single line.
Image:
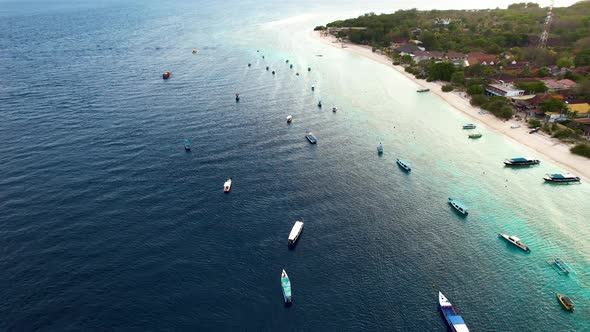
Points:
[(286, 284), (458, 206), (562, 178), (380, 148), (311, 138), (289, 119), (515, 241), (566, 302), (227, 186), (469, 126), (295, 232), (423, 90), (166, 75), (187, 144), (521, 162), (478, 135), (451, 314), (403, 165)]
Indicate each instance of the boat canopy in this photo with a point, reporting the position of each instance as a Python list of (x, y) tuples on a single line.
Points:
[(567, 300), (521, 159), (515, 238), (458, 204)]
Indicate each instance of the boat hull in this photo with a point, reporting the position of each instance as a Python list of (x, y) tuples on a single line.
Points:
[(521, 246)]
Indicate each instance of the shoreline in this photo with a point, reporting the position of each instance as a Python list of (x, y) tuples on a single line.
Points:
[(550, 148)]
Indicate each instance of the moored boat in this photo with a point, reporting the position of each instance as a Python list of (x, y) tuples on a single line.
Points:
[(521, 162), (227, 186), (451, 314), (561, 178), (566, 302), (469, 126), (320, 104), (289, 119), (458, 206), (423, 90), (294, 234), (561, 265), (404, 165), (334, 109), (311, 138), (286, 284), (478, 135), (515, 241), (312, 88), (380, 148), (187, 144)]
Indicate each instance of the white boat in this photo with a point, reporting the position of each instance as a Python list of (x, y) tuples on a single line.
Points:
[(227, 186), (289, 119), (515, 241), (515, 126), (295, 232), (451, 314)]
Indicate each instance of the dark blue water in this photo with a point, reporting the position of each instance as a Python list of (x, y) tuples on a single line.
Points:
[(108, 224)]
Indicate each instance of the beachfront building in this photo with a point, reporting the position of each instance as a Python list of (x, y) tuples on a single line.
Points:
[(503, 90), (560, 84), (408, 49), (427, 55), (457, 58), (474, 58), (582, 110)]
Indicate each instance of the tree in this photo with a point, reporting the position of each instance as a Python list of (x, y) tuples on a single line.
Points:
[(458, 77), (581, 149), (447, 88), (553, 105), (441, 71), (534, 123), (475, 90), (564, 63), (532, 87), (582, 58), (584, 87), (543, 72), (479, 100), (428, 39)]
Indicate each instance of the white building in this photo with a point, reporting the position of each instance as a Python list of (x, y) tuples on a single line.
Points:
[(503, 90)]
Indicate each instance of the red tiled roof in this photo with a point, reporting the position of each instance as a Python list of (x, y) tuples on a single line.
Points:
[(475, 57)]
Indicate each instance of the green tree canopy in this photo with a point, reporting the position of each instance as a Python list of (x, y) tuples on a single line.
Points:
[(441, 71), (532, 87), (582, 58), (553, 105)]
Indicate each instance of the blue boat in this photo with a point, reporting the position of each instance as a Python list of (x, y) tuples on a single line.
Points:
[(469, 126), (187, 144), (458, 206), (406, 167), (380, 148), (451, 314), (561, 178), (286, 284), (521, 162), (311, 138)]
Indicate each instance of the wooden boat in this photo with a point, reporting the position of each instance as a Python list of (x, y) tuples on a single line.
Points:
[(423, 90), (566, 302), (166, 75), (458, 206), (478, 135)]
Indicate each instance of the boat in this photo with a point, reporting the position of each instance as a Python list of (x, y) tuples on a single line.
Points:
[(458, 206), (515, 241), (295, 232), (320, 104), (534, 130), (469, 126), (451, 314), (478, 135), (308, 68), (562, 178), (291, 66), (227, 186), (380, 148), (312, 88), (566, 302), (166, 75), (289, 119), (286, 61), (237, 97), (286, 284), (311, 138), (404, 165), (267, 68), (515, 126), (249, 65), (273, 72), (520, 161), (195, 51), (423, 90), (561, 265), (334, 109), (187, 144)]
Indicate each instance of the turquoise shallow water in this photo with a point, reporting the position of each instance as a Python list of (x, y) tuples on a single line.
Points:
[(108, 224)]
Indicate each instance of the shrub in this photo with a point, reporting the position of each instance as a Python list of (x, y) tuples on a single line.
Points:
[(565, 134), (534, 123), (479, 100), (447, 88), (581, 149), (475, 90), (396, 63)]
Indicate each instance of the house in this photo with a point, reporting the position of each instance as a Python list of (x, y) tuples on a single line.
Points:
[(559, 85), (582, 110), (398, 42), (427, 55), (482, 58), (516, 66), (503, 90), (407, 49), (456, 57), (555, 117)]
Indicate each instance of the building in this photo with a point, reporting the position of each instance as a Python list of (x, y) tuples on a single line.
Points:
[(427, 55), (457, 58), (582, 110), (560, 85), (407, 49), (503, 90), (481, 58)]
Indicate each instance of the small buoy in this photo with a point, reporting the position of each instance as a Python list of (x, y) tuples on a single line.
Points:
[(320, 104), (273, 72), (237, 97), (266, 67), (166, 75), (195, 51), (308, 68), (249, 65)]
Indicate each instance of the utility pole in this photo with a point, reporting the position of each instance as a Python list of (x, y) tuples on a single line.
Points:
[(546, 26)]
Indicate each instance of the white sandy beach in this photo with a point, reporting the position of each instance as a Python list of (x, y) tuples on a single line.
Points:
[(546, 146)]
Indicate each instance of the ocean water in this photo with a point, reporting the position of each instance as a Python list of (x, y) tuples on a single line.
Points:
[(108, 224)]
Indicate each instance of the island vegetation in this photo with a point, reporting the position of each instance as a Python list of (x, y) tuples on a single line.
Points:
[(495, 56)]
